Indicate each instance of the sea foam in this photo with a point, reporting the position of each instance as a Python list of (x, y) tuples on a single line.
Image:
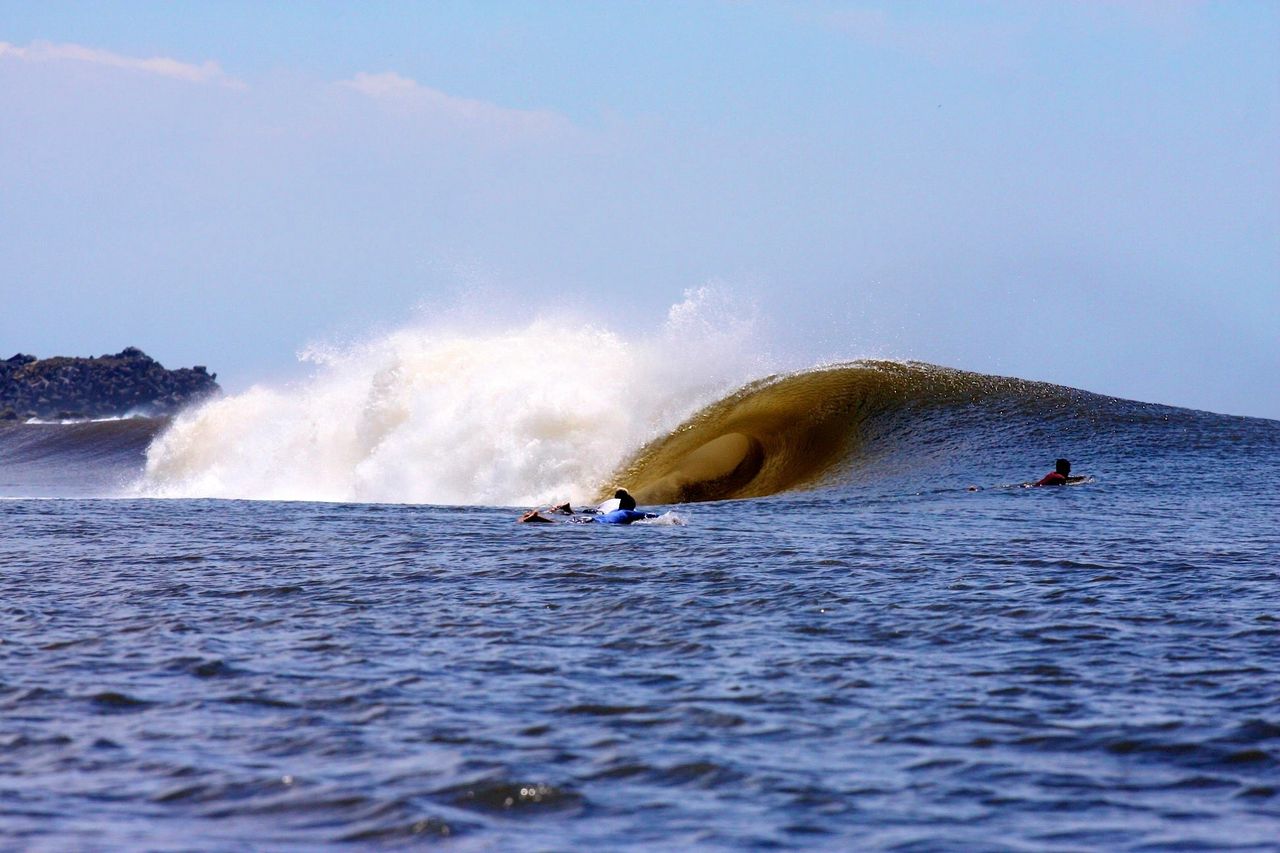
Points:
[(428, 415)]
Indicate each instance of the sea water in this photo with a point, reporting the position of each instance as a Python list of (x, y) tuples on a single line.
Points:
[(913, 653)]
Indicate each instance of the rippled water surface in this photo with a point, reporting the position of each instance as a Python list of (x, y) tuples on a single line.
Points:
[(1092, 667)]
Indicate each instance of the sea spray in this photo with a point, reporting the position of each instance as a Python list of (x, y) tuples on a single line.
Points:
[(424, 415)]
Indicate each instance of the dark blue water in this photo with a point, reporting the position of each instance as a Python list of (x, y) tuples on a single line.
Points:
[(886, 661), (870, 666)]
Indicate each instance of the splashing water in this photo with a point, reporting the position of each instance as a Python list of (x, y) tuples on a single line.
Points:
[(426, 416)]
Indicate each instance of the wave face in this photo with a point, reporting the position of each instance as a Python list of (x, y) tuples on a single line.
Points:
[(802, 430), (879, 422), (419, 416)]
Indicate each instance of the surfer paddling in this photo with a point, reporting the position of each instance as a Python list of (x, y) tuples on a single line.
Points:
[(535, 515), (623, 513), (1059, 476)]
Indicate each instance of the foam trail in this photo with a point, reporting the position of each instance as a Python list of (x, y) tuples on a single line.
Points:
[(423, 416)]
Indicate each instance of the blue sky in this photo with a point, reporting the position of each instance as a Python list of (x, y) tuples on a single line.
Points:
[(1081, 193)]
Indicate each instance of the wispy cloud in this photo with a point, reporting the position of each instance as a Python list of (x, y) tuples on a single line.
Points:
[(394, 89), (163, 66)]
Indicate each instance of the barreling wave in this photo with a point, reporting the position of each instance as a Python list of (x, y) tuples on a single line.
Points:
[(807, 429), (454, 425), (560, 411)]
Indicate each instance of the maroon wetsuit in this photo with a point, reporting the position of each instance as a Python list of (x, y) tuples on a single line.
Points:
[(1053, 478)]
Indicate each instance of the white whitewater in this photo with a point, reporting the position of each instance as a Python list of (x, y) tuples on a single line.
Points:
[(422, 415)]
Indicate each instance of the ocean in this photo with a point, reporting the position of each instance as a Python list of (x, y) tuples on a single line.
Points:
[(300, 618)]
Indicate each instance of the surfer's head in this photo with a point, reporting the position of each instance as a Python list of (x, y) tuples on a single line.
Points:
[(1063, 467), (625, 501)]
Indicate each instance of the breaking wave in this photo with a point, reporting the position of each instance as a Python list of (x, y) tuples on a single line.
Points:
[(561, 410), (425, 416)]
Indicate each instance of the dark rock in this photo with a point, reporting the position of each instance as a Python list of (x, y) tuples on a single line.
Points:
[(110, 385)]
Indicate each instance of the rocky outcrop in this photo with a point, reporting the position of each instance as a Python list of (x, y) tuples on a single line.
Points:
[(128, 382)]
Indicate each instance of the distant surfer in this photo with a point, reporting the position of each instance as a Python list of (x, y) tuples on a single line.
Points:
[(1059, 476)]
